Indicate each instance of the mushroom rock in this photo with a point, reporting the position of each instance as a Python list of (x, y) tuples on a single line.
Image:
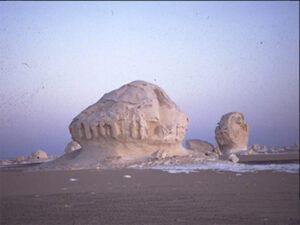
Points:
[(72, 146), (38, 155), (127, 125), (232, 133), (131, 122), (199, 145)]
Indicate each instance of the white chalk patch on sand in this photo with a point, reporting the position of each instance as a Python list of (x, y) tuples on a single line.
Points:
[(127, 176), (73, 179), (228, 166)]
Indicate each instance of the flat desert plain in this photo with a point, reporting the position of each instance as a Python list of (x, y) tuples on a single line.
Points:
[(148, 197)]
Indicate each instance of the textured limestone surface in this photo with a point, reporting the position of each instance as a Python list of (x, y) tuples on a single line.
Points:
[(136, 122), (233, 158), (37, 155), (232, 133), (72, 146), (199, 145)]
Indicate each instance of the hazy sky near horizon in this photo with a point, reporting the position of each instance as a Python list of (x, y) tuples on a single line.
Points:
[(211, 58)]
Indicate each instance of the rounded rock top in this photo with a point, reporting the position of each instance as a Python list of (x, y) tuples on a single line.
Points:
[(135, 112), (232, 133), (72, 146), (38, 155)]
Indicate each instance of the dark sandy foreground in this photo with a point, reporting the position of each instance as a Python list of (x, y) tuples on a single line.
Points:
[(148, 197)]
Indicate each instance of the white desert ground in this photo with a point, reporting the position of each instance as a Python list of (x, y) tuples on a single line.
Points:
[(126, 164)]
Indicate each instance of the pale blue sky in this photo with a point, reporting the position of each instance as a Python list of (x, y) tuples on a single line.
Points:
[(57, 58)]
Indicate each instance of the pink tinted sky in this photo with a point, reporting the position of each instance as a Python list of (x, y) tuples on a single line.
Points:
[(57, 58)]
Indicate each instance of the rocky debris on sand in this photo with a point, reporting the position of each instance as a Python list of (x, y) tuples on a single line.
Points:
[(175, 160), (52, 157), (20, 158), (159, 154), (249, 152), (233, 158), (232, 133), (72, 146), (199, 145), (263, 149), (295, 147), (6, 162), (256, 149)]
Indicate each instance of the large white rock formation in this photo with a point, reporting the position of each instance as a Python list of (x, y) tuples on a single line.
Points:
[(232, 133), (127, 125)]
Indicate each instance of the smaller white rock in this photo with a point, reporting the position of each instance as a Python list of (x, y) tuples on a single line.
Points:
[(73, 179), (5, 162), (200, 145), (256, 147), (127, 176), (233, 158), (72, 146), (37, 156), (20, 158)]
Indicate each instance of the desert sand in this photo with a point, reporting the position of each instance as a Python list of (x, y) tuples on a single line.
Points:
[(133, 196)]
